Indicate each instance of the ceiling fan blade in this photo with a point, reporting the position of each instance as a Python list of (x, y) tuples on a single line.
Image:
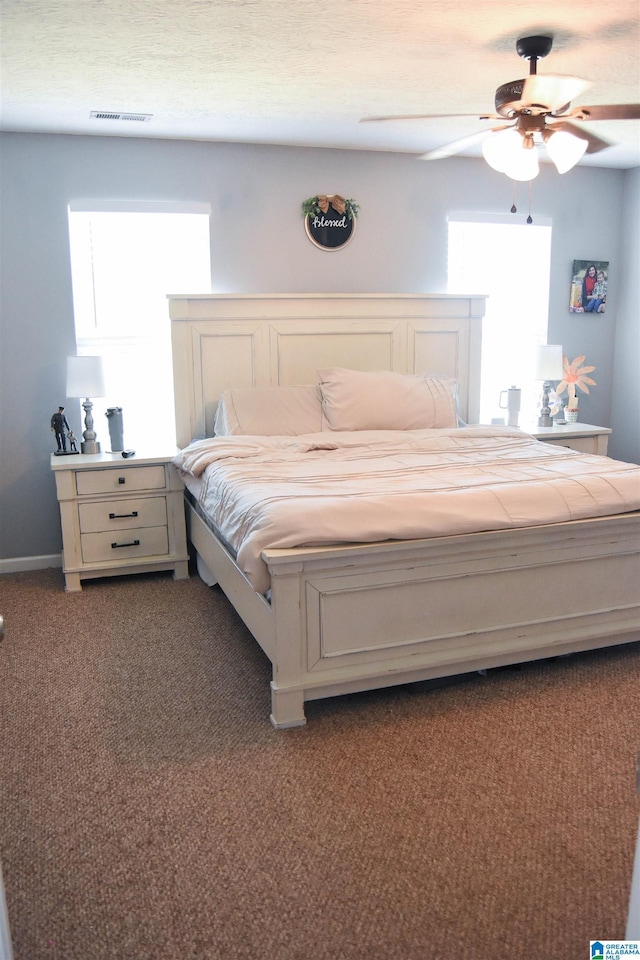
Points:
[(610, 111), (594, 144), (457, 146), (432, 116), (551, 92)]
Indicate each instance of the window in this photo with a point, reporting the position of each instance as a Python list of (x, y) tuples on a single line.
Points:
[(125, 259), (511, 263)]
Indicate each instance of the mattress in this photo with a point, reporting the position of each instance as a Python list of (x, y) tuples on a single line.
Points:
[(369, 486)]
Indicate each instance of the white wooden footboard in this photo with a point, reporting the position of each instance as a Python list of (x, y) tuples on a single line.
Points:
[(343, 619), (362, 617)]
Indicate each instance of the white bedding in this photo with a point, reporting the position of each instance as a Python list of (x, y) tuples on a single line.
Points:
[(367, 486)]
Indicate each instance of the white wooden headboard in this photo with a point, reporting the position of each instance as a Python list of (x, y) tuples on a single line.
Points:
[(222, 341)]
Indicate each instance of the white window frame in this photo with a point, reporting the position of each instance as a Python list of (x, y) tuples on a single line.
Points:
[(516, 366), (138, 365)]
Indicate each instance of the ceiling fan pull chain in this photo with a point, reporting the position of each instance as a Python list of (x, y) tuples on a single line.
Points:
[(514, 209), (530, 218)]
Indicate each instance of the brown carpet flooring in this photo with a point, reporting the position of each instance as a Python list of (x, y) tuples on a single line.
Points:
[(150, 812)]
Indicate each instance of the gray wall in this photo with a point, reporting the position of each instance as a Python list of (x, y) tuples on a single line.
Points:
[(625, 391), (258, 246)]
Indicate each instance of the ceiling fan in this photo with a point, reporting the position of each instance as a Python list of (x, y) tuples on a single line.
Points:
[(539, 110)]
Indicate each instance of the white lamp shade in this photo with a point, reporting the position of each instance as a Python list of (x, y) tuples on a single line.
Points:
[(564, 149), (507, 153), (549, 362), (85, 377), (523, 165), (498, 147)]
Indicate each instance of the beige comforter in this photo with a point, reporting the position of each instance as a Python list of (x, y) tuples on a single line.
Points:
[(262, 492)]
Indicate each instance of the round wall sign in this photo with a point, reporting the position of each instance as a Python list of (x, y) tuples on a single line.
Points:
[(330, 221)]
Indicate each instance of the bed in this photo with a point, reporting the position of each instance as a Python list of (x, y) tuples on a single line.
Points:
[(339, 617)]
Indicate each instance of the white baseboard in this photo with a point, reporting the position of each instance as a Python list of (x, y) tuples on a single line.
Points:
[(20, 564)]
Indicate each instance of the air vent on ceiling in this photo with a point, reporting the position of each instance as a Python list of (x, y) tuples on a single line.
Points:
[(104, 115)]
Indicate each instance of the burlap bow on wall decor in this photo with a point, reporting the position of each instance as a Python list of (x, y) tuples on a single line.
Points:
[(314, 206), (338, 203)]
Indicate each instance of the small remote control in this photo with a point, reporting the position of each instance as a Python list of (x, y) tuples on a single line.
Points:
[(128, 453)]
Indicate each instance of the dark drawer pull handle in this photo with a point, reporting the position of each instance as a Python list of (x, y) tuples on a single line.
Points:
[(121, 480), (122, 516), (135, 543)]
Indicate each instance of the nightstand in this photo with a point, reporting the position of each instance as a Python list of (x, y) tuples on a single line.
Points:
[(583, 437), (120, 516)]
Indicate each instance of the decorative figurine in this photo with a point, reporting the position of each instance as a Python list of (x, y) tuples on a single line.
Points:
[(71, 437), (58, 426)]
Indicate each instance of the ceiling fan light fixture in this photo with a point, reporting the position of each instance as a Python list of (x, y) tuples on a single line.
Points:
[(527, 104), (511, 153), (564, 149)]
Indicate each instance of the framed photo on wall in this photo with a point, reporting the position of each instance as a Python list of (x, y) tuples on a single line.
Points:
[(589, 286)]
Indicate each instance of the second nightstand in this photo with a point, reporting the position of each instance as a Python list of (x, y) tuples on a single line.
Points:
[(584, 437)]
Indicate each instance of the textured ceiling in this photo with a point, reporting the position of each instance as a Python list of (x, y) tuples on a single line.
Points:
[(303, 72)]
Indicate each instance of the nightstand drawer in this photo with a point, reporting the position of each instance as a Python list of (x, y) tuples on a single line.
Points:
[(120, 480), (122, 514), (583, 437), (581, 444), (124, 544)]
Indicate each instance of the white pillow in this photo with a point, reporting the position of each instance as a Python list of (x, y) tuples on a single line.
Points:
[(269, 411), (383, 400)]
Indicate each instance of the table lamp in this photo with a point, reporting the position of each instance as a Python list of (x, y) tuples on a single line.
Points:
[(548, 369), (85, 378)]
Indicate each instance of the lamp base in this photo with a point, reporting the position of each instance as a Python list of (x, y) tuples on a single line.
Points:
[(545, 419), (90, 446)]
